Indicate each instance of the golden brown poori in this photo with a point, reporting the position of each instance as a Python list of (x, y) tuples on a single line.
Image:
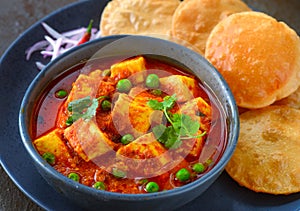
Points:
[(267, 156), (138, 17), (292, 100), (258, 56), (193, 20)]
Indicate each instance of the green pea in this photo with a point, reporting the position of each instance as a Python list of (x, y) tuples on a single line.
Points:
[(152, 187), (74, 176), (209, 161), (183, 175), (61, 93), (69, 121), (142, 181), (152, 81), (49, 157), (118, 173), (124, 85), (156, 92), (126, 139), (106, 105), (99, 185), (198, 167), (106, 72)]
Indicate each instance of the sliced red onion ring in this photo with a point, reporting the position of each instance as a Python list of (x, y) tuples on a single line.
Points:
[(57, 43), (74, 32), (51, 31), (39, 65), (36, 47)]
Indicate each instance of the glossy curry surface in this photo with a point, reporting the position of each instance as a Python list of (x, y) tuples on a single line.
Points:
[(120, 137)]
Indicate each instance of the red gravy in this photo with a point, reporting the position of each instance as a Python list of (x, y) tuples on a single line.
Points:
[(45, 117)]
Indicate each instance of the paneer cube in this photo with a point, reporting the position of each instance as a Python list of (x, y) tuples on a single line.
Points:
[(87, 140), (132, 115), (198, 109), (190, 149), (145, 156), (196, 148), (143, 147), (53, 143), (182, 86), (85, 85), (133, 67)]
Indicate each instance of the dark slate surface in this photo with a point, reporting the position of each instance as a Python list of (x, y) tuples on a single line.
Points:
[(15, 17)]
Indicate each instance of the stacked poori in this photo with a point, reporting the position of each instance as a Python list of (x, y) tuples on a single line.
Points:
[(267, 156), (186, 22), (292, 100), (193, 20), (138, 17), (258, 56)]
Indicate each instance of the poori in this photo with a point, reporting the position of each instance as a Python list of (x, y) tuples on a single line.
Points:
[(267, 155), (292, 100), (258, 56), (138, 17), (193, 20)]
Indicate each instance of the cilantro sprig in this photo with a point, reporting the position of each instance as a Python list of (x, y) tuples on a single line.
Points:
[(182, 126), (83, 108)]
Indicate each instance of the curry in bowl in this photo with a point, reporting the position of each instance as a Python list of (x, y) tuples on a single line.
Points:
[(130, 125)]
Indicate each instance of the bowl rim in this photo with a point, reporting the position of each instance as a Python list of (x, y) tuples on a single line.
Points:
[(39, 161)]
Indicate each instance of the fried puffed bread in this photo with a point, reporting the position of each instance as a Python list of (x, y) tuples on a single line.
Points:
[(258, 56), (267, 155), (138, 17), (193, 20), (292, 100)]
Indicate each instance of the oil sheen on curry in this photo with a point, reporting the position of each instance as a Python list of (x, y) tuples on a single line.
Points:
[(134, 125)]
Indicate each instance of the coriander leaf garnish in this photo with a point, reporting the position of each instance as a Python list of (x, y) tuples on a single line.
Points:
[(182, 126), (159, 131), (91, 110), (165, 105), (169, 102), (189, 127), (83, 108), (80, 104), (167, 136), (155, 105)]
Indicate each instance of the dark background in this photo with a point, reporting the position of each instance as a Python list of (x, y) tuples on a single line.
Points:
[(17, 15)]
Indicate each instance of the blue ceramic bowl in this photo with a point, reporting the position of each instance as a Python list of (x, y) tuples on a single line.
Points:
[(92, 199)]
